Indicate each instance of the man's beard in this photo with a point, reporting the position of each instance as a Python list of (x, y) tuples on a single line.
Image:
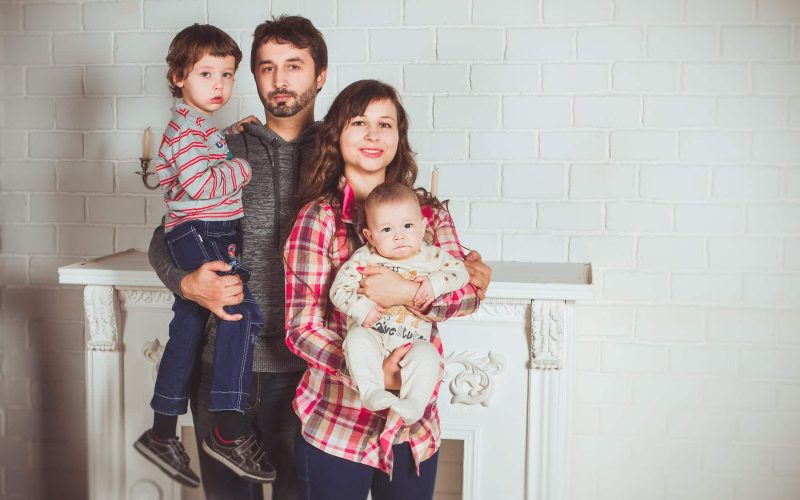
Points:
[(284, 109)]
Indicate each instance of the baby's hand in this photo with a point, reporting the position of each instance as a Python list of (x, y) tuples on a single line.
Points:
[(424, 296), (372, 317)]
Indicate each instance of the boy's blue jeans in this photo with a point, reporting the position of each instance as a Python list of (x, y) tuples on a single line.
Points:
[(192, 244)]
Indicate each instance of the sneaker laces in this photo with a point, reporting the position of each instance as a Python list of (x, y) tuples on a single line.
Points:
[(177, 446), (250, 455)]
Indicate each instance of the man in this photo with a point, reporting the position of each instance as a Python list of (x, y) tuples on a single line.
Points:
[(289, 62)]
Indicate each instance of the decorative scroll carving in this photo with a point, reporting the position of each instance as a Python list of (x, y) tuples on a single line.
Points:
[(501, 310), (145, 296), (153, 351), (547, 334), (474, 383), (102, 312), (146, 489)]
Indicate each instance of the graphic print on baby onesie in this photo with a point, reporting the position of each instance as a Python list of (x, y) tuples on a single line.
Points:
[(400, 321)]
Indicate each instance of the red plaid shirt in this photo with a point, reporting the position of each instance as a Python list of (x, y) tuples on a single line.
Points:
[(330, 409)]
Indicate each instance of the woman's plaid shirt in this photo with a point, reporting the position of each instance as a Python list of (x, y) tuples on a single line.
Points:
[(330, 410)]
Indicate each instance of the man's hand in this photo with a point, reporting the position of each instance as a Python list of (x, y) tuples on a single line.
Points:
[(385, 287), (391, 367), (213, 291), (479, 273), (373, 316), (239, 126)]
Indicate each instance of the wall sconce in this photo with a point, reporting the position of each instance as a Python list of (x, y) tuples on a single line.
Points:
[(145, 166), (144, 161)]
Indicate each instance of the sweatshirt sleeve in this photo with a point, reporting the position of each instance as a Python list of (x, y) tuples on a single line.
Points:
[(169, 274), (344, 290), (450, 274)]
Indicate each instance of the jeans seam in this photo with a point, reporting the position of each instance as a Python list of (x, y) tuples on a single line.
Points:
[(244, 362), (307, 475), (257, 391)]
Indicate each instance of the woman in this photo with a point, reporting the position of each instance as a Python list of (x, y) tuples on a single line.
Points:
[(345, 450)]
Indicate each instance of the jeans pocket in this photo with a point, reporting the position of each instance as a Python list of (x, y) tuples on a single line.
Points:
[(186, 248), (223, 228)]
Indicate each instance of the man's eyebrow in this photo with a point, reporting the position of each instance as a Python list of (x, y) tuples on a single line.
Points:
[(270, 61)]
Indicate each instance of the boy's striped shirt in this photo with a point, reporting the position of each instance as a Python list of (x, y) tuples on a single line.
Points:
[(198, 179)]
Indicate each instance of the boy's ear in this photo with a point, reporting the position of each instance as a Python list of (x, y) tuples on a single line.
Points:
[(367, 234), (177, 80)]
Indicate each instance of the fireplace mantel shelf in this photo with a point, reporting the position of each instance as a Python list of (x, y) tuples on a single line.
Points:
[(507, 387), (517, 280)]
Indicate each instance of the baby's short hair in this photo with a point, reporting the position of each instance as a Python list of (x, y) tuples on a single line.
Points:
[(390, 192), (191, 44)]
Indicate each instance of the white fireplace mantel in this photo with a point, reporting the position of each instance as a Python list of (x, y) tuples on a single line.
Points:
[(507, 390)]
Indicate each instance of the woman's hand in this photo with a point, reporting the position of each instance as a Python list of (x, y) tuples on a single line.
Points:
[(479, 273), (391, 368), (385, 287)]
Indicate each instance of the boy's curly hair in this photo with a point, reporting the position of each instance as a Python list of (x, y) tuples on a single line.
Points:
[(190, 45)]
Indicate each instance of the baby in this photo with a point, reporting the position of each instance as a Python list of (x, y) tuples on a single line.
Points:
[(395, 230)]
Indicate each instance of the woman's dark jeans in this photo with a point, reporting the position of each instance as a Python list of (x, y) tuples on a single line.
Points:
[(325, 477)]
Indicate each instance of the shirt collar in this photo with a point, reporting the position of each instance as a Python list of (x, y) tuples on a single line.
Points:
[(185, 107), (348, 201)]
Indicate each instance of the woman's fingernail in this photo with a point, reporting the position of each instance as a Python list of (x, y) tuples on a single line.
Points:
[(407, 345), (360, 269)]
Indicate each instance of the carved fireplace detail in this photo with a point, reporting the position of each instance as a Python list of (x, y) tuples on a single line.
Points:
[(507, 389)]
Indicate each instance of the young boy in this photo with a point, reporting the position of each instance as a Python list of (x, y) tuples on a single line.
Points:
[(202, 189), (395, 228)]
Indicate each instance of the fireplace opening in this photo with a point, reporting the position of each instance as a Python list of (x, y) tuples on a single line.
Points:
[(450, 471)]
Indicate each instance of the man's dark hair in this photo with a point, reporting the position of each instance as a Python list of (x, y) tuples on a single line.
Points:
[(296, 31), (190, 45)]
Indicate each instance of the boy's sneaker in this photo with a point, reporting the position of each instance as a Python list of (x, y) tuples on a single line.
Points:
[(244, 456), (169, 455)]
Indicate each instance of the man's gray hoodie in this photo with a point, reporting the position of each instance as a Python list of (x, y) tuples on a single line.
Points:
[(267, 201)]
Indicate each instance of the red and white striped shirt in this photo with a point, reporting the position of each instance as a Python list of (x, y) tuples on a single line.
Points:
[(331, 413), (198, 179)]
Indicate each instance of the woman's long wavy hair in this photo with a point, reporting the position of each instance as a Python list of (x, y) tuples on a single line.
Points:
[(326, 166)]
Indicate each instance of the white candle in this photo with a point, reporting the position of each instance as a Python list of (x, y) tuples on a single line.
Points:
[(146, 144), (434, 180)]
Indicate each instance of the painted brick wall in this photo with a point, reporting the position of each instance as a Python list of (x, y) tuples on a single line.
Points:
[(658, 139)]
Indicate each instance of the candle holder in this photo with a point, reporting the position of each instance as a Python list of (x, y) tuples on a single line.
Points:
[(145, 166)]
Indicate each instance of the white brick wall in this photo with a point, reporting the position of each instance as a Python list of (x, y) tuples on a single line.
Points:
[(657, 139), (469, 44)]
